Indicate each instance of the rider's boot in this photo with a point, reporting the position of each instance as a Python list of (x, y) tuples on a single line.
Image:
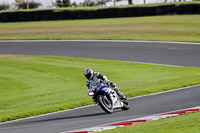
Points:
[(94, 99), (121, 95)]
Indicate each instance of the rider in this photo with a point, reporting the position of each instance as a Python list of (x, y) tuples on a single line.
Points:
[(94, 77)]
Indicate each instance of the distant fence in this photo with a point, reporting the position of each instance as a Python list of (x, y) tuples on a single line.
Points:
[(39, 15)]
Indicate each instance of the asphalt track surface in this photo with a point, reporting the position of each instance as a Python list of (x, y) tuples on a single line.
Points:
[(150, 52)]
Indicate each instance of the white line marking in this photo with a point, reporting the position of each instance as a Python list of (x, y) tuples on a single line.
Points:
[(125, 41), (178, 89), (152, 63)]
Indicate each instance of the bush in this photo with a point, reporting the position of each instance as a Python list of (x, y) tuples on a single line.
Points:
[(112, 12), (14, 16), (160, 10), (82, 14), (132, 11), (73, 14), (123, 12), (141, 11), (4, 7), (47, 15), (23, 16), (165, 9), (5, 17), (32, 5), (39, 15), (92, 14), (190, 9), (102, 13), (151, 11), (198, 8), (170, 9), (31, 16), (55, 16), (63, 3), (64, 15), (180, 9)]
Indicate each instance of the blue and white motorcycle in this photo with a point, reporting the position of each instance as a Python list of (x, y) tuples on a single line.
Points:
[(107, 98)]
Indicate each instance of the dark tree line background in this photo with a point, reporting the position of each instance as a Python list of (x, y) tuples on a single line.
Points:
[(22, 4)]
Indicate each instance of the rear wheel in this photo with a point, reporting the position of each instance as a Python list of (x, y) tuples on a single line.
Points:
[(105, 104), (125, 105)]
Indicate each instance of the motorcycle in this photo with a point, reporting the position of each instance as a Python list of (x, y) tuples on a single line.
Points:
[(107, 98)]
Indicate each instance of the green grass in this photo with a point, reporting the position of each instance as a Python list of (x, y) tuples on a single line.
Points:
[(32, 85), (160, 28), (188, 123)]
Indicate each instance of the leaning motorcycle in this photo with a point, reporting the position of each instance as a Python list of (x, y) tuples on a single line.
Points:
[(107, 98)]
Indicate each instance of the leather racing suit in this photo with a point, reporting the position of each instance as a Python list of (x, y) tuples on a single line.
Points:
[(98, 77)]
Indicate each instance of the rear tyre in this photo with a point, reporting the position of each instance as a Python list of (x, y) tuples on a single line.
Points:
[(105, 104), (125, 105)]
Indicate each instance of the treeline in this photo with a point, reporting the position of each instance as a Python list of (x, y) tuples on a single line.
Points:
[(40, 15)]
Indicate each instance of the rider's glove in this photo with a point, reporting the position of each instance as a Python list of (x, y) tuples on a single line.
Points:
[(112, 84), (106, 82)]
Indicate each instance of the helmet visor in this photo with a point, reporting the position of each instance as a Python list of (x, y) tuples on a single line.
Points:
[(89, 76)]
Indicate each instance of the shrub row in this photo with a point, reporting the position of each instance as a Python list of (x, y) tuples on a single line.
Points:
[(100, 13)]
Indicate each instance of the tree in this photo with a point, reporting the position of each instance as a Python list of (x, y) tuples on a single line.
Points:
[(130, 2), (31, 5), (66, 3), (59, 3), (4, 6), (63, 3), (74, 4)]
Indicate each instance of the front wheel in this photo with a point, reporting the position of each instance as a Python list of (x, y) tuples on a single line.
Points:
[(125, 105), (106, 104)]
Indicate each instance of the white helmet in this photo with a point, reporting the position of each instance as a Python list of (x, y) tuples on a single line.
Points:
[(88, 72)]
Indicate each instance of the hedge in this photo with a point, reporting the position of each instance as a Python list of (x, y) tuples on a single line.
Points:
[(100, 13), (112, 12), (92, 14), (39, 15), (151, 11), (123, 12), (64, 15), (73, 14), (5, 17), (83, 14), (165, 9), (132, 11)]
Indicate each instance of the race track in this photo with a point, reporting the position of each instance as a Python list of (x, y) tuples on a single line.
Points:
[(150, 52)]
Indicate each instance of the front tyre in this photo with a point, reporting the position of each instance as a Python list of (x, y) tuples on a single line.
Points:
[(106, 104), (125, 105)]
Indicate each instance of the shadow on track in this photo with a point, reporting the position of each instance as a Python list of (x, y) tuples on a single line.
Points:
[(41, 120), (69, 117)]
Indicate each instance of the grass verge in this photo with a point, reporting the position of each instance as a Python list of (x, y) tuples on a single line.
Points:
[(188, 123), (33, 85), (160, 28)]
